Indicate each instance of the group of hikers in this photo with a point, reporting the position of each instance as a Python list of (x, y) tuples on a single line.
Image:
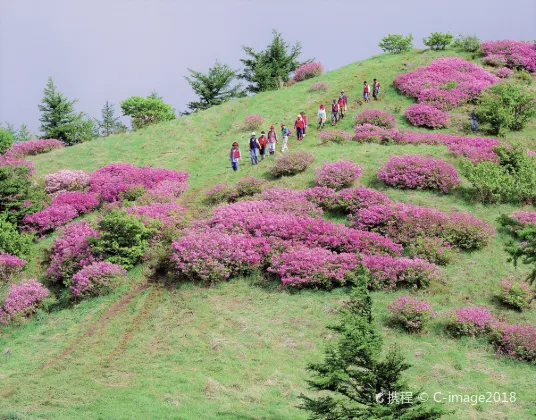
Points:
[(258, 146)]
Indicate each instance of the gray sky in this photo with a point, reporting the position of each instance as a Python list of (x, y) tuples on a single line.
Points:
[(112, 49)]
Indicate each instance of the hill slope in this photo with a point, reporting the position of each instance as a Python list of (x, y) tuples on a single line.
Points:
[(239, 351)]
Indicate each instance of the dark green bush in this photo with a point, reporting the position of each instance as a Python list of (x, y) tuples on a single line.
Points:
[(6, 140), (468, 43), (396, 44), (11, 241), (438, 40), (523, 247), (19, 195)]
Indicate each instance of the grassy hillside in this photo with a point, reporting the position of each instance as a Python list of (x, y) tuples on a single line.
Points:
[(239, 350)]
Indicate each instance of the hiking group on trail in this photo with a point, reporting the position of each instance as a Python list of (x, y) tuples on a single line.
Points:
[(257, 146)]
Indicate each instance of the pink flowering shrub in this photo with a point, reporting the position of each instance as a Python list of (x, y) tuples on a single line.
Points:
[(515, 341), (249, 186), (291, 164), (6, 160), (66, 180), (515, 294), (10, 267), (416, 172), (386, 272), (321, 196), (253, 122), (313, 267), (411, 313), (49, 219), (166, 191), (213, 256), (70, 251), (96, 279), (426, 116), (82, 202), (34, 147), (338, 175), (220, 193), (432, 249), (471, 320), (23, 299), (504, 73), (531, 153), (513, 54), (285, 200), (351, 200), (336, 136), (308, 71), (373, 134), (159, 214), (377, 118), (494, 60), (524, 217), (319, 87)]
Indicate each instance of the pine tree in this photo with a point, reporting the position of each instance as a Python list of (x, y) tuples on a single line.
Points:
[(23, 134), (271, 68), (110, 124), (6, 140), (213, 88), (360, 381)]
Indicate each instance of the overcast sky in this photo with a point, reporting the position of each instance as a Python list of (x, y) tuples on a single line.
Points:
[(97, 50)]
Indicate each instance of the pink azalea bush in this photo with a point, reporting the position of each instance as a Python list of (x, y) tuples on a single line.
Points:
[(336, 136), (159, 214), (494, 60), (515, 341), (524, 217), (322, 197), (166, 191), (313, 267), (319, 87), (513, 54), (286, 200), (411, 313), (471, 320), (10, 267), (377, 118), (66, 180), (308, 71), (23, 299), (291, 164), (351, 200), (422, 115), (373, 134), (432, 249), (515, 294), (49, 219), (96, 279), (253, 122), (82, 202), (220, 193), (6, 160), (416, 172), (338, 175), (34, 147), (504, 73), (531, 153)]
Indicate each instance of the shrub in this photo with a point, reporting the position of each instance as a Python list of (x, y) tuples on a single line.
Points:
[(338, 175), (524, 217), (19, 194), (246, 187), (515, 294), (416, 172), (147, 111), (373, 134), (320, 196), (426, 116), (515, 54), (351, 200), (6, 140), (494, 60), (166, 191), (467, 43), (396, 44), (319, 87), (524, 247), (507, 106), (66, 180), (253, 122), (313, 267), (465, 231), (97, 279), (282, 200), (70, 252), (504, 73), (220, 193), (23, 299), (10, 267), (47, 220), (336, 136), (434, 250), (291, 164), (158, 215), (438, 40), (411, 313), (34, 147), (308, 71), (515, 341), (123, 238), (471, 320), (11, 241), (377, 118), (82, 202)]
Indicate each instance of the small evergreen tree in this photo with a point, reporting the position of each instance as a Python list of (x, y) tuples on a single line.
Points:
[(147, 111), (271, 68), (362, 384), (396, 44), (214, 87), (6, 140), (23, 134), (110, 124)]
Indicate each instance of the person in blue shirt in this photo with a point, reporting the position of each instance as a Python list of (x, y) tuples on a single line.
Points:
[(254, 146)]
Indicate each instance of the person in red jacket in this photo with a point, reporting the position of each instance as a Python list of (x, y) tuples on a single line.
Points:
[(263, 142), (341, 107), (334, 112), (375, 89), (304, 118), (298, 125), (234, 156)]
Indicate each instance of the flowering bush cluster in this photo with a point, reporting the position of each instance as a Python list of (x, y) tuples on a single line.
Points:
[(431, 249), (22, 300), (515, 341), (159, 214), (338, 175), (337, 136), (423, 115), (82, 202), (351, 200), (322, 197), (513, 54), (515, 294), (471, 320), (531, 153), (504, 73), (291, 164), (10, 266), (96, 279), (319, 87), (308, 71), (446, 83), (253, 122), (285, 200), (220, 193), (411, 313), (66, 180), (374, 134), (418, 172), (34, 147), (377, 118), (524, 217), (249, 186), (165, 191)]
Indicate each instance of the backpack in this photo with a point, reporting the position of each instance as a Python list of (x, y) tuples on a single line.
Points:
[(289, 133)]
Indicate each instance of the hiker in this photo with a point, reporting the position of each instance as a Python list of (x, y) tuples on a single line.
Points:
[(263, 142), (474, 122), (366, 91), (321, 117), (272, 140), (304, 119), (375, 89), (345, 100), (334, 112), (253, 147), (234, 156), (340, 102), (284, 133), (299, 125)]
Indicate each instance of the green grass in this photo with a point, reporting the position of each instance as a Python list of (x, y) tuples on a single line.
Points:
[(238, 350)]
